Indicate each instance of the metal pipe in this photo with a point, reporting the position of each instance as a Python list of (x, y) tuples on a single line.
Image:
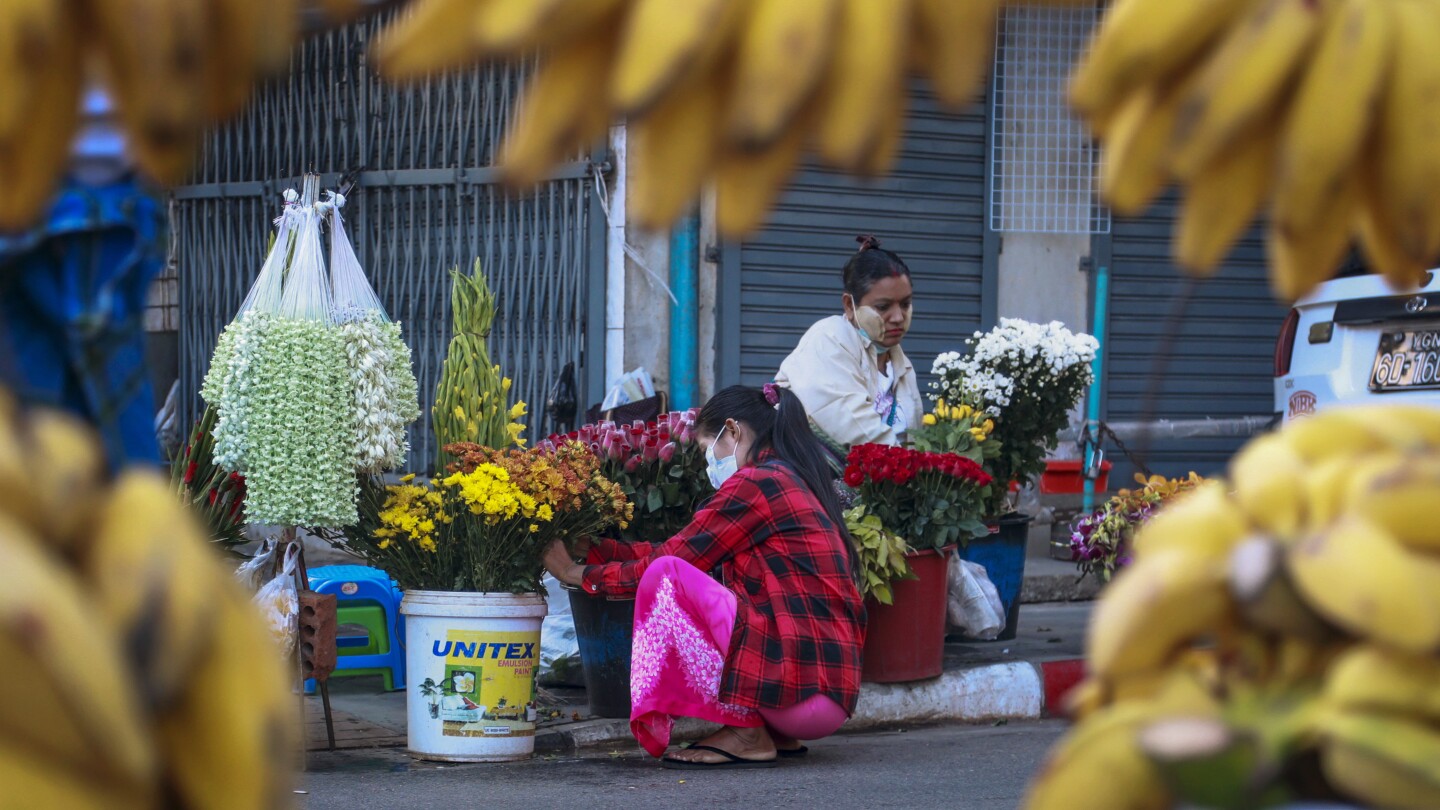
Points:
[(684, 312), (1231, 427), (1097, 367), (615, 266)]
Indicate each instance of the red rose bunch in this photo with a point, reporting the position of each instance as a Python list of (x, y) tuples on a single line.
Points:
[(931, 499), (659, 465)]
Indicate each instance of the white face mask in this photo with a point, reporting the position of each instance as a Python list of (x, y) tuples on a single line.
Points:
[(719, 469)]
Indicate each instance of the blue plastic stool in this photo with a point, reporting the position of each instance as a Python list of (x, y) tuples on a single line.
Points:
[(362, 584)]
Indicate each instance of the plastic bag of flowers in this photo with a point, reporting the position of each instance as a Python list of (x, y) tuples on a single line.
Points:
[(386, 396)]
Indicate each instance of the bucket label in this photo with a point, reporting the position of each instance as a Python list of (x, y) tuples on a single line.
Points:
[(487, 685)]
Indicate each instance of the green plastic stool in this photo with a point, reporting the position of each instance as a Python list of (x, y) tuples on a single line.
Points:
[(371, 617)]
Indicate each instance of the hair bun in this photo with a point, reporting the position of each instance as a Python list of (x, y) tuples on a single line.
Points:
[(867, 241)]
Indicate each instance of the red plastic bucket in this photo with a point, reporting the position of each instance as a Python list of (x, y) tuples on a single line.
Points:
[(905, 641), (1067, 478)]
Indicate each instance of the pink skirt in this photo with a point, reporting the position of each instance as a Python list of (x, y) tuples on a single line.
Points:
[(683, 623)]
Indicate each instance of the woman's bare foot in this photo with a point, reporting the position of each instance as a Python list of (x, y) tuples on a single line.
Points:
[(747, 743)]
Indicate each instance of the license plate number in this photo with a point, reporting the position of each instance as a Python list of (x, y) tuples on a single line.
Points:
[(1406, 360)]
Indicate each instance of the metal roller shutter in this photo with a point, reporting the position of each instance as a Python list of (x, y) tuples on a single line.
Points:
[(1222, 362), (930, 210)]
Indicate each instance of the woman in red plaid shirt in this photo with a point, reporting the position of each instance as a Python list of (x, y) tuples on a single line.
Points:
[(773, 654)]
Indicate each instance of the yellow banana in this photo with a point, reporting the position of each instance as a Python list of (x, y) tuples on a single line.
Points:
[(1145, 41), (1203, 521), (35, 154), (746, 183), (34, 779), (553, 117), (868, 71), (1243, 80), (510, 27), (239, 751), (886, 150), (671, 148), (31, 35), (1377, 680), (1221, 200), (1383, 761), (1408, 168), (1100, 765), (45, 613), (430, 36), (1360, 578), (153, 575), (958, 42), (663, 43), (1350, 68), (1399, 497), (782, 54), (1325, 489), (1267, 476), (1136, 139), (1379, 232), (1160, 603), (1303, 258), (55, 481)]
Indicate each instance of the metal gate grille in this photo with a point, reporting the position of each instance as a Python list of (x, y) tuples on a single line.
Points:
[(1044, 163), (425, 201)]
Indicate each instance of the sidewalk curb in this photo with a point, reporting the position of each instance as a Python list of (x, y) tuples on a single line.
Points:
[(1019, 690)]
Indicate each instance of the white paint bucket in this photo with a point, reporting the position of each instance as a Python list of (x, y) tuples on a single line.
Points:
[(471, 662)]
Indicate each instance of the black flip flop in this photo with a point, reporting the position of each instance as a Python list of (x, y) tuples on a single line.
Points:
[(792, 753), (732, 761)]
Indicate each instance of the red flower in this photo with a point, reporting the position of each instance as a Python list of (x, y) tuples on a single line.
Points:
[(853, 476), (190, 472)]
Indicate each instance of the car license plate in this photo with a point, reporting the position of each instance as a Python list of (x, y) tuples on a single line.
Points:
[(1406, 360)]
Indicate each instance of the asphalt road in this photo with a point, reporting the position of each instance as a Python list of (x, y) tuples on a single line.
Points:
[(973, 767)]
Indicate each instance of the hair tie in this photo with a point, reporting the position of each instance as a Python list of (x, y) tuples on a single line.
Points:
[(867, 242), (772, 393)]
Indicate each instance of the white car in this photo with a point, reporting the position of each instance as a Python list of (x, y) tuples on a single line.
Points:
[(1355, 339)]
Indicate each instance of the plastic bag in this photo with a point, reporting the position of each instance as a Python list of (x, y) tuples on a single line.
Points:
[(251, 573), (354, 298), (559, 649), (280, 603), (973, 605)]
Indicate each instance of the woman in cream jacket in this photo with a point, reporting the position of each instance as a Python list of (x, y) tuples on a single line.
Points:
[(848, 370)]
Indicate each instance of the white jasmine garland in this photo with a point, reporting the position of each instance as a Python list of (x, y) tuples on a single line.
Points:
[(386, 395)]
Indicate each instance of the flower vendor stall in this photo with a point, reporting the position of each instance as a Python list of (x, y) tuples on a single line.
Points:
[(465, 547), (1026, 377), (660, 467), (913, 508)]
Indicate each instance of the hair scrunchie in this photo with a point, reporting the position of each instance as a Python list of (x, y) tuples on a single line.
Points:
[(772, 393)]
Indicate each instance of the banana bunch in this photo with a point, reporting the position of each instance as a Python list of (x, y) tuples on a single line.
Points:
[(729, 91), (472, 399), (1277, 644), (1316, 114), (137, 674), (174, 67)]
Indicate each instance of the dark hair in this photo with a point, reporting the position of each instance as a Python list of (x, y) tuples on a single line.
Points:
[(870, 264), (784, 430)]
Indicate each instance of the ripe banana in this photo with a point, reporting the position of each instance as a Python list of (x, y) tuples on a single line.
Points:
[(957, 45), (869, 71), (1360, 578), (35, 154), (662, 43), (1378, 680), (429, 36), (1203, 522), (1399, 497), (1408, 169), (747, 184), (1243, 79), (1383, 761), (781, 58), (1222, 199), (1160, 603), (1143, 40), (663, 178), (1349, 70), (1267, 476)]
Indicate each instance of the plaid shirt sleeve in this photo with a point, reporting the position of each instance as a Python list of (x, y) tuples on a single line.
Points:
[(608, 550), (729, 522)]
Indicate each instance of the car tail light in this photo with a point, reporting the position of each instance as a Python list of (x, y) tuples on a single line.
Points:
[(1285, 343)]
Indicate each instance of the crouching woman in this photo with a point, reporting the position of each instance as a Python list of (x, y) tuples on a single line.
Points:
[(772, 651)]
